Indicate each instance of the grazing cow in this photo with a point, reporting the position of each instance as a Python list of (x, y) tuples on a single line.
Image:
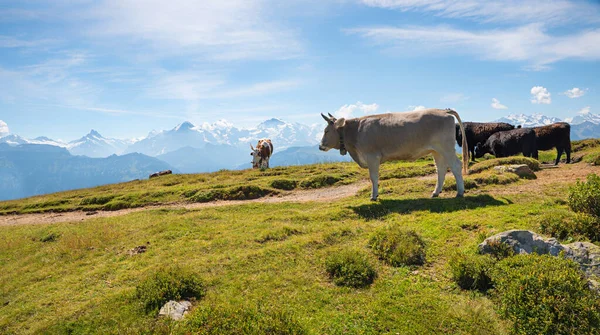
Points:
[(479, 132), (374, 139), (556, 135), (509, 143), (160, 173), (261, 154)]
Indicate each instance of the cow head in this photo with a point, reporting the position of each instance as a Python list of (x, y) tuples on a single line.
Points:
[(480, 150), (331, 135), (258, 161)]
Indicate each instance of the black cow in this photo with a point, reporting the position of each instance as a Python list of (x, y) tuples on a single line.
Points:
[(480, 132), (556, 135), (509, 143)]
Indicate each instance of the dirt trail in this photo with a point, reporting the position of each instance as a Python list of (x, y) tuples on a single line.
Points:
[(322, 195)]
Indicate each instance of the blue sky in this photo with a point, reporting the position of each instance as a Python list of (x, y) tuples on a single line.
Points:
[(125, 67)]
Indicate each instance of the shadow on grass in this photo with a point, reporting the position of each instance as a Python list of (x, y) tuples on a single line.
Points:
[(385, 207)]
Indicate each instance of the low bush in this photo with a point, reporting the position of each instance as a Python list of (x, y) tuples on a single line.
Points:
[(166, 284), (408, 172), (232, 193), (240, 320), (499, 250), (116, 204), (284, 184), (584, 197), (533, 164), (450, 184), (545, 295), (350, 268), (319, 181), (472, 271), (569, 226), (397, 246)]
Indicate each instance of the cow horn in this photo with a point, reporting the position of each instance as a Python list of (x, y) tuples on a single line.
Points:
[(331, 116), (251, 147), (326, 118)]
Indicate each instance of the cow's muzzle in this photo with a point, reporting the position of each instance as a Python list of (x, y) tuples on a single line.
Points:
[(322, 148)]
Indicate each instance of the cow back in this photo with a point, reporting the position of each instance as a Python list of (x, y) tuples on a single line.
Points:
[(553, 135)]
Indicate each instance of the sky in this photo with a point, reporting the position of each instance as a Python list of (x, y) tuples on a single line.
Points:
[(126, 67)]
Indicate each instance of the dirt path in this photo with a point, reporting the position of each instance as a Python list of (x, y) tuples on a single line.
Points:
[(322, 195)]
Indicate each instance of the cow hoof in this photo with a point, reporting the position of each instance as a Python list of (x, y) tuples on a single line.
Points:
[(461, 195), (373, 199), (435, 195)]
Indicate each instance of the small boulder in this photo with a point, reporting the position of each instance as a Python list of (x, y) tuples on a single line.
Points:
[(587, 255), (522, 242), (521, 170), (175, 309)]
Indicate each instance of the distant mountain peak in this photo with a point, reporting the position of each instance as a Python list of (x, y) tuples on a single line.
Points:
[(271, 123), (94, 133), (187, 125)]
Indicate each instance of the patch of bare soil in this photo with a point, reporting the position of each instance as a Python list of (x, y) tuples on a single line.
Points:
[(321, 195)]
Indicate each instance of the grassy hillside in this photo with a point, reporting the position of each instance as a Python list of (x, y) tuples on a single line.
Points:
[(264, 263)]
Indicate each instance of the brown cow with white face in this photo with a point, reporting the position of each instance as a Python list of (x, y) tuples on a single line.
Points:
[(373, 139), (261, 154)]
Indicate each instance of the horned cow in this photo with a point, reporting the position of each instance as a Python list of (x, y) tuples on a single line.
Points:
[(261, 154), (509, 143), (479, 132), (556, 135), (374, 139)]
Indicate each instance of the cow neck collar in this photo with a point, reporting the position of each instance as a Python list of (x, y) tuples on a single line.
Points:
[(343, 150)]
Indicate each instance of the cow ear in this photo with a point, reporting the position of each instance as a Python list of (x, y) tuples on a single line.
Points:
[(340, 123)]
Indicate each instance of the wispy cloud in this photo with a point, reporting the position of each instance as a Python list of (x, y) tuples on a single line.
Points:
[(12, 42), (497, 105), (3, 129), (528, 43), (575, 92), (552, 11), (348, 111), (540, 95), (225, 30)]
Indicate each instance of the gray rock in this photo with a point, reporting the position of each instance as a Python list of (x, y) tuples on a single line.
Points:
[(175, 310), (523, 242), (521, 170), (587, 255)]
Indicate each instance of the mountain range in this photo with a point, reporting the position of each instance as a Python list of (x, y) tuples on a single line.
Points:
[(583, 125)]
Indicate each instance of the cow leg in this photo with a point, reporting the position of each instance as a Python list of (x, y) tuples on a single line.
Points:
[(441, 167), (568, 150), (373, 165), (456, 168), (559, 152), (472, 153)]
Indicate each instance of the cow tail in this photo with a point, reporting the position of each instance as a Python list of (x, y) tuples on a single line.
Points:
[(465, 148)]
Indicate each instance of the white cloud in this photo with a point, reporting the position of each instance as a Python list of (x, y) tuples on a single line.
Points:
[(555, 11), (11, 42), (347, 111), (497, 105), (540, 95), (529, 43), (584, 111), (3, 129), (416, 108), (215, 29), (575, 92)]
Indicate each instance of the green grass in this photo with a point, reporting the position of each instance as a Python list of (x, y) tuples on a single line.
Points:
[(82, 280)]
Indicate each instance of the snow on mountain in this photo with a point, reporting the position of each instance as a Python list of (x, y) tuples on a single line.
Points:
[(14, 140), (96, 145), (533, 120), (584, 116)]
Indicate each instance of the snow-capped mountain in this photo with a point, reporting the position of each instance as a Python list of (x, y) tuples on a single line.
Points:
[(96, 145), (533, 120), (584, 116), (186, 134), (14, 139)]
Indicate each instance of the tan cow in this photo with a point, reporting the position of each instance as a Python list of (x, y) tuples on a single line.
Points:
[(261, 154), (374, 139)]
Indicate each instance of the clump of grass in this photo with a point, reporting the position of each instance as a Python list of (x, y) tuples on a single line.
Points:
[(335, 236), (450, 184), (533, 164), (50, 237), (397, 246), (47, 204), (278, 235), (240, 320), (584, 197), (542, 294), (585, 144), (498, 250), (232, 193), (117, 204), (99, 200), (319, 181), (472, 271), (174, 283), (284, 184), (350, 268), (493, 178)]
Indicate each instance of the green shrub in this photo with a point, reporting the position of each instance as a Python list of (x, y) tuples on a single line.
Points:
[(284, 184), (241, 320), (397, 246), (545, 295), (499, 250), (584, 197), (350, 268), (232, 193), (335, 236), (169, 284), (472, 271), (319, 181), (569, 226), (533, 164)]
